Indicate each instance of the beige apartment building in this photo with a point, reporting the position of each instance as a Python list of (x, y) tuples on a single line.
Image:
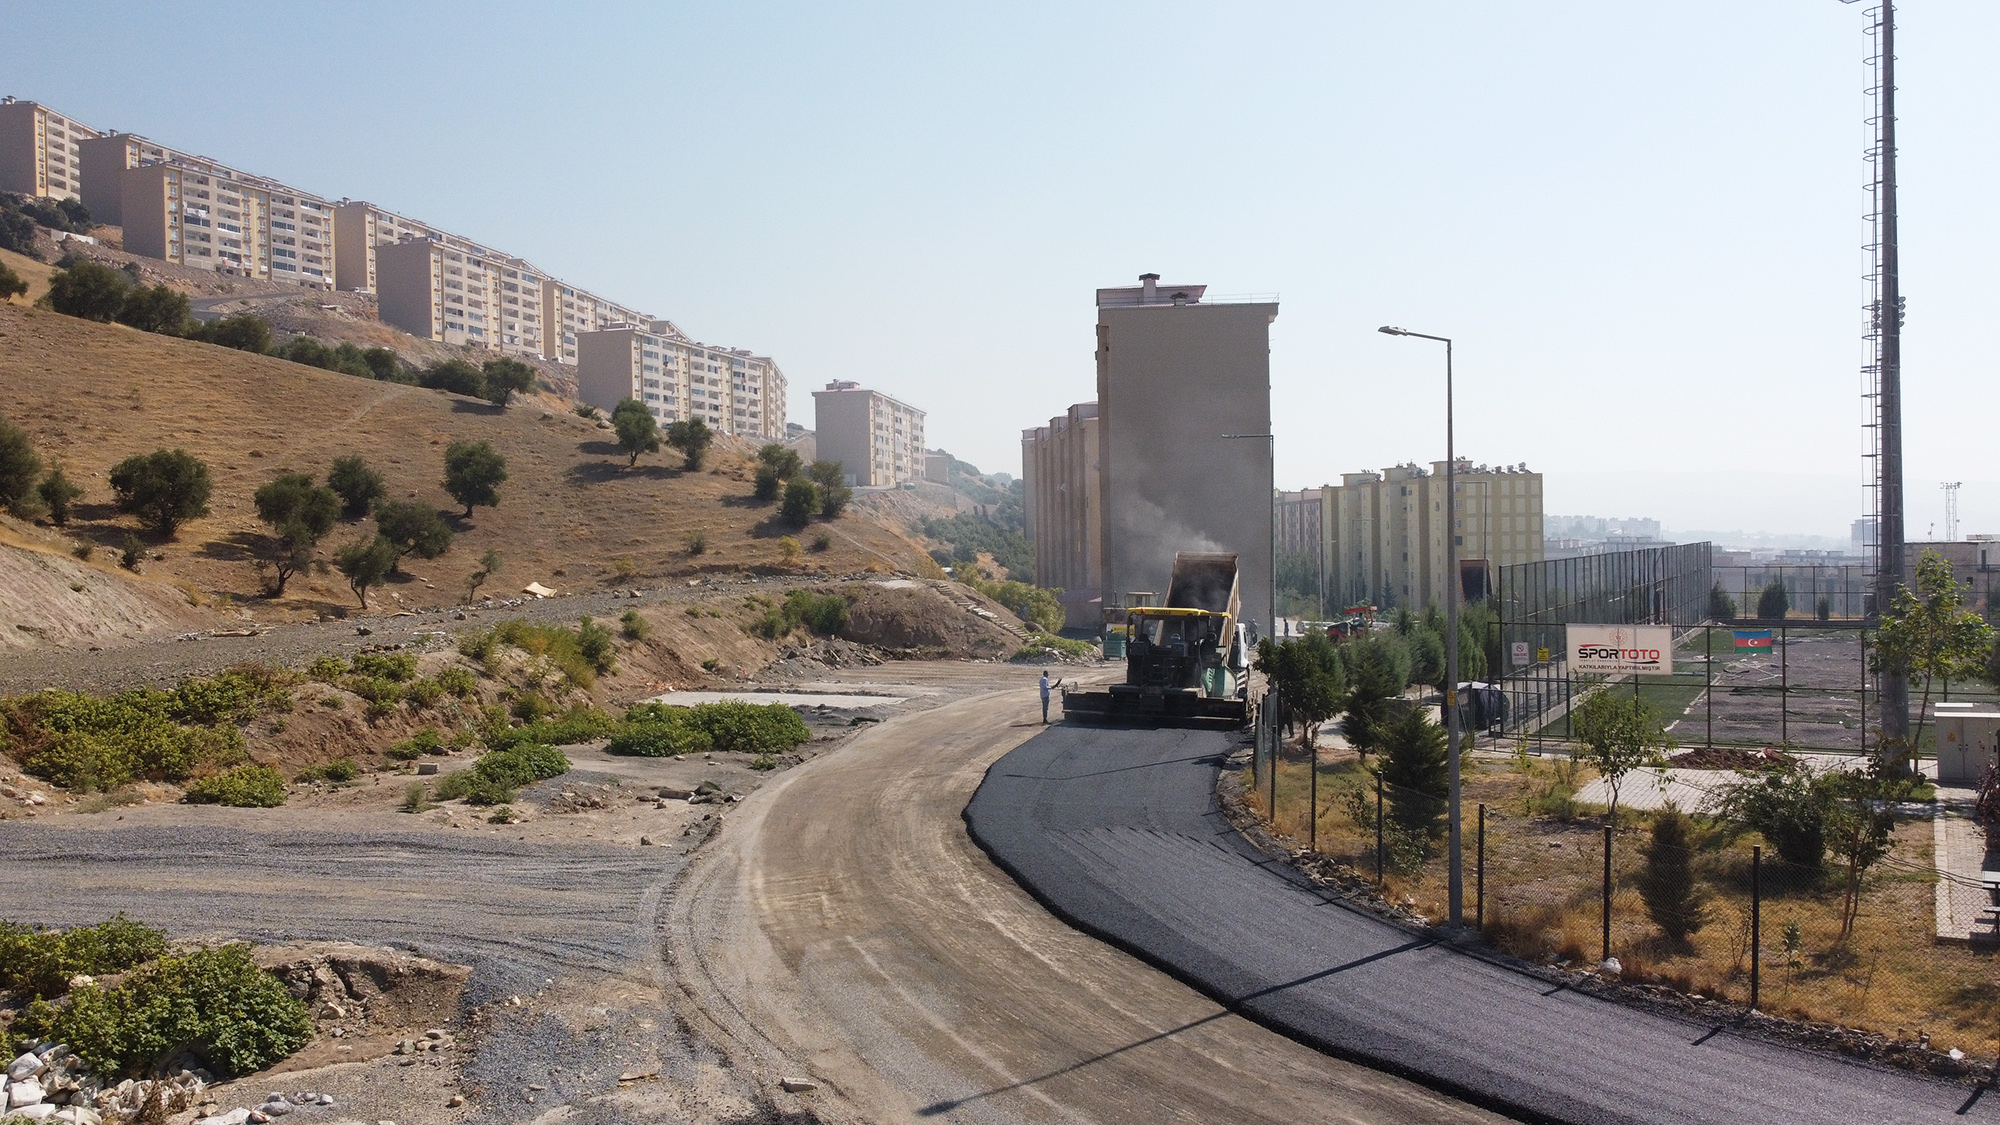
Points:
[(454, 295), (39, 152), (730, 389), (878, 440), (1065, 509), (106, 159), (209, 217), (569, 312), (1383, 534)]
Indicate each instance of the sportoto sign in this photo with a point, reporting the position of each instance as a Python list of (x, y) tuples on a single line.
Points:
[(1644, 650)]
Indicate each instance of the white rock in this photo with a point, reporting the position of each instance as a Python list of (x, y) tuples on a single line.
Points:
[(40, 1111), (27, 1066), (1611, 966), (23, 1092), (78, 1115)]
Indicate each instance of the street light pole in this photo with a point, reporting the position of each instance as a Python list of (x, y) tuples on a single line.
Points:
[(1272, 488), (1456, 890)]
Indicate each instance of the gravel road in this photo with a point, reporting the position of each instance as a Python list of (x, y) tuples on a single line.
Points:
[(844, 928), (1120, 831)]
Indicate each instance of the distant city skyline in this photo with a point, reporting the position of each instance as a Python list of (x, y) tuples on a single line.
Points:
[(1642, 225)]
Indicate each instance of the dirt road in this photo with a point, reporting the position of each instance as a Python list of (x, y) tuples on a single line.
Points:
[(846, 930)]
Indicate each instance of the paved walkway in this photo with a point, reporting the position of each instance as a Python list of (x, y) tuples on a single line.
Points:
[(1651, 789), (1959, 852)]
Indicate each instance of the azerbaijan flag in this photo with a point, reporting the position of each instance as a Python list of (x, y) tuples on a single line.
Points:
[(1753, 638)]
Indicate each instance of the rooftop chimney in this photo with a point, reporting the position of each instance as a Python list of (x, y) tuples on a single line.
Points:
[(1149, 288)]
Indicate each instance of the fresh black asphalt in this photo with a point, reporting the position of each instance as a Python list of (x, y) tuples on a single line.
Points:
[(1120, 834)]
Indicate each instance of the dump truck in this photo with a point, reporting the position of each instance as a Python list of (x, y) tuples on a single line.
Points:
[(1187, 659)]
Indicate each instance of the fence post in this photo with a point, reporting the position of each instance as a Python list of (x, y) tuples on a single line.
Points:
[(1607, 893), (1756, 920), (1312, 758), (1482, 867), (1708, 673), (1784, 689), (1378, 828)]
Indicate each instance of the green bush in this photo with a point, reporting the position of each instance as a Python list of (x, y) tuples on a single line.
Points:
[(86, 742), (633, 626), (37, 963), (657, 730), (215, 1001), (339, 771), (825, 614), (493, 779), (425, 741), (245, 787), (327, 669), (578, 724), (424, 693), (564, 648), (400, 667), (457, 681), (375, 689), (593, 643)]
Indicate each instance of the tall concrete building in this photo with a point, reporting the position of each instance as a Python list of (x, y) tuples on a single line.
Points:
[(207, 216), (1175, 376), (39, 153), (730, 389), (878, 440), (473, 297), (1383, 534), (1065, 509)]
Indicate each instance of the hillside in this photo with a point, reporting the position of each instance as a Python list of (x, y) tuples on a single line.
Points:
[(572, 515)]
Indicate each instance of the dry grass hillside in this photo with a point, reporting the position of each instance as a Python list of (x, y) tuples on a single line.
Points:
[(572, 515), (36, 274)]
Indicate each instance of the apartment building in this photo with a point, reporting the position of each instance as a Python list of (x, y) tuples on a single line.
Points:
[(1383, 534), (878, 440), (1065, 509), (207, 216), (39, 153), (1299, 518), (730, 389), (460, 296), (105, 160), (569, 312)]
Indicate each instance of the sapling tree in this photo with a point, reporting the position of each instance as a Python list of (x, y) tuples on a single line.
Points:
[(1927, 632), (1619, 734)]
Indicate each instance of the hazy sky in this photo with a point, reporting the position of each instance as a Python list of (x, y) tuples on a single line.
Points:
[(1642, 222)]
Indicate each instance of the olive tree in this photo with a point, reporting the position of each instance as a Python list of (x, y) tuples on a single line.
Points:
[(506, 377), (164, 488), (473, 474), (412, 529), (692, 437), (638, 431), (300, 512), (366, 563), (358, 486)]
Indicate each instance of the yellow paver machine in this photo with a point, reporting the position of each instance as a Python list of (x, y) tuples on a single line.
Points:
[(1187, 659)]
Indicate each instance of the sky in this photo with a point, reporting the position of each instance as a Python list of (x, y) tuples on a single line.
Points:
[(1641, 223)]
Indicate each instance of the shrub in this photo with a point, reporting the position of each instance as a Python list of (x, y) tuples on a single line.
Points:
[(375, 689), (562, 647), (327, 669), (36, 963), (820, 542), (473, 789), (658, 740), (86, 742), (577, 725), (1789, 809), (131, 552), (769, 484), (633, 626), (165, 488), (593, 642), (457, 681), (788, 549), (423, 693), (58, 494), (20, 465), (339, 771), (416, 798), (415, 529), (245, 787), (801, 501), (697, 542), (1415, 763), (728, 726), (366, 564), (215, 1000), (400, 667), (1721, 607), (504, 377), (11, 284), (692, 437), (1675, 899), (454, 375), (1033, 604), (246, 332), (525, 764), (1774, 601)]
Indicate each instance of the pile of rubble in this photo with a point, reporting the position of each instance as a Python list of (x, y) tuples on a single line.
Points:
[(49, 1083), (274, 1107)]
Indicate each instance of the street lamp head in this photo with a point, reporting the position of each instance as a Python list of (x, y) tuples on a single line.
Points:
[(1393, 331)]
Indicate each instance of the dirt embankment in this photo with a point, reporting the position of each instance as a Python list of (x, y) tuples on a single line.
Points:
[(48, 598), (573, 514)]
